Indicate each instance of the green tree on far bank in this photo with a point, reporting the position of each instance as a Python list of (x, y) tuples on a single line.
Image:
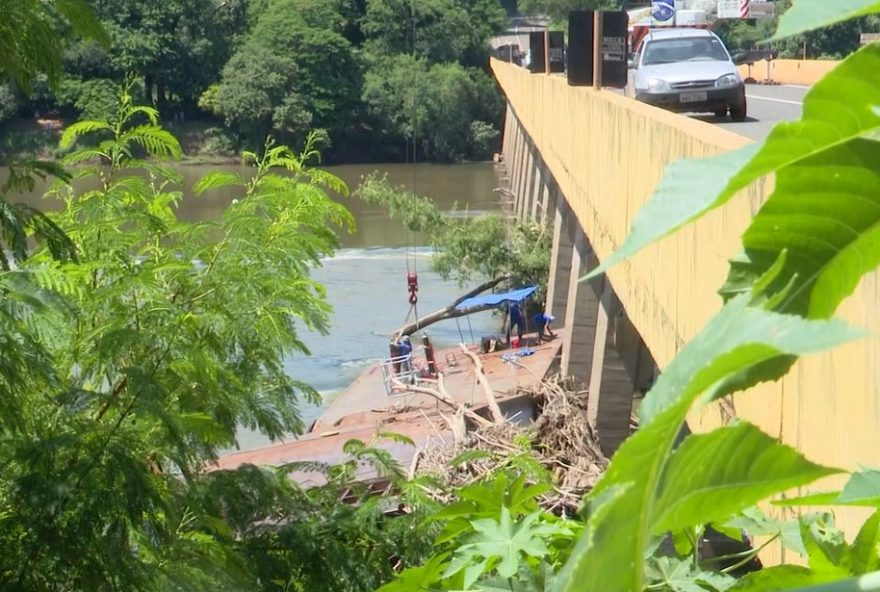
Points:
[(444, 108), (557, 10), (435, 30), (283, 67), (294, 72), (426, 83)]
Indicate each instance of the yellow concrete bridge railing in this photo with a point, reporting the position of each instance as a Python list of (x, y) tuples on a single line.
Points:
[(606, 154), (802, 72)]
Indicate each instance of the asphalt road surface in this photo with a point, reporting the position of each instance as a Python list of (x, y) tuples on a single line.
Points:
[(767, 105)]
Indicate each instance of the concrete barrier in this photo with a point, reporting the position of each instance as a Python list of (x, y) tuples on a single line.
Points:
[(804, 72), (607, 154)]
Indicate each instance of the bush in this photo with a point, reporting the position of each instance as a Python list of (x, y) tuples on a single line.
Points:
[(483, 140), (218, 141), (9, 103)]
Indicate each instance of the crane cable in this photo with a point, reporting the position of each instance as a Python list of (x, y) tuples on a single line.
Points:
[(412, 275)]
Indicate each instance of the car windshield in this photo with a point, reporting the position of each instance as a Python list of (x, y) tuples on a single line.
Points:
[(687, 49)]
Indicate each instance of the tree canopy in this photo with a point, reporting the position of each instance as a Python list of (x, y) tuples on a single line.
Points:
[(282, 67)]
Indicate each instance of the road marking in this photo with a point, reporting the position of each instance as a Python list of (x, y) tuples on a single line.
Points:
[(775, 100)]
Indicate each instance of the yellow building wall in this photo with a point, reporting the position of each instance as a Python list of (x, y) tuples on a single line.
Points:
[(804, 72), (607, 153)]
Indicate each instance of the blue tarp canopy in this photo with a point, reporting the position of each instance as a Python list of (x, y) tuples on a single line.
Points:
[(496, 299)]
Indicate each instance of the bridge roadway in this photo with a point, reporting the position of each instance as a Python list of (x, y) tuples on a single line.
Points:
[(767, 105)]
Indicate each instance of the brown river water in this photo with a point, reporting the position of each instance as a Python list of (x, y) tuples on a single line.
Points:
[(366, 280)]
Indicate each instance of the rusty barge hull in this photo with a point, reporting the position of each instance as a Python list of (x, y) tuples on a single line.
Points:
[(364, 410)]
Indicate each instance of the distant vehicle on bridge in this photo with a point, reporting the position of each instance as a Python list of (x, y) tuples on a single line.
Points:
[(687, 70)]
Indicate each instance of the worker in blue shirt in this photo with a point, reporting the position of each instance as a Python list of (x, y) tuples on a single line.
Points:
[(542, 322), (405, 352), (515, 317)]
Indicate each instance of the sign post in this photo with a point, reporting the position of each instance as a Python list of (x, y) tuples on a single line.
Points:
[(597, 48), (547, 51)]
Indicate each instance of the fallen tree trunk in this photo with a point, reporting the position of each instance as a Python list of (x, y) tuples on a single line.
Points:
[(487, 387), (442, 395), (450, 312)]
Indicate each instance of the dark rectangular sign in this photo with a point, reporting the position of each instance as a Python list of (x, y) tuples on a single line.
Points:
[(557, 51), (536, 52), (540, 42), (614, 48)]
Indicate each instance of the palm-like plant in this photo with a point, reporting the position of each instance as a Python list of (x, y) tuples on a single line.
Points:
[(32, 38)]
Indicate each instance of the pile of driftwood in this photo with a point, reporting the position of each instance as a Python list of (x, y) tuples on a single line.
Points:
[(560, 440)]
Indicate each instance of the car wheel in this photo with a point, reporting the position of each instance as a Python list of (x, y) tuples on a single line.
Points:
[(720, 112), (738, 111)]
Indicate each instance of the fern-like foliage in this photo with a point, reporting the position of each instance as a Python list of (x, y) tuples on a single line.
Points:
[(126, 368), (32, 37)]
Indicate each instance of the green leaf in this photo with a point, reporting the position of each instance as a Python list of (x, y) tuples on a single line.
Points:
[(418, 579), (701, 489), (757, 523), (505, 541), (83, 19), (398, 438), (469, 456), (862, 489), (866, 583), (80, 128), (689, 189), (779, 578), (863, 553), (824, 543), (215, 180), (806, 15), (825, 212), (680, 575), (737, 337), (813, 499), (157, 141)]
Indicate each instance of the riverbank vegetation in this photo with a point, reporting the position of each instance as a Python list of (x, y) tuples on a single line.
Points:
[(378, 78), (468, 247)]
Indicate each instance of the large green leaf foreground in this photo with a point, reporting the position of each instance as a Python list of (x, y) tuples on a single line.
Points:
[(806, 15), (692, 188), (645, 490)]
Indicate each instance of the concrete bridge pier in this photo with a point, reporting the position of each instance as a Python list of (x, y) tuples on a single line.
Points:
[(523, 162), (541, 195), (506, 141), (582, 310), (524, 194), (560, 261), (602, 348), (614, 372)]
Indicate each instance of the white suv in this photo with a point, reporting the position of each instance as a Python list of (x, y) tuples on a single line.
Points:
[(687, 70)]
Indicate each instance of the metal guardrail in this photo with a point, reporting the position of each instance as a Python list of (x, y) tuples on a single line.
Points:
[(750, 56), (407, 369)]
